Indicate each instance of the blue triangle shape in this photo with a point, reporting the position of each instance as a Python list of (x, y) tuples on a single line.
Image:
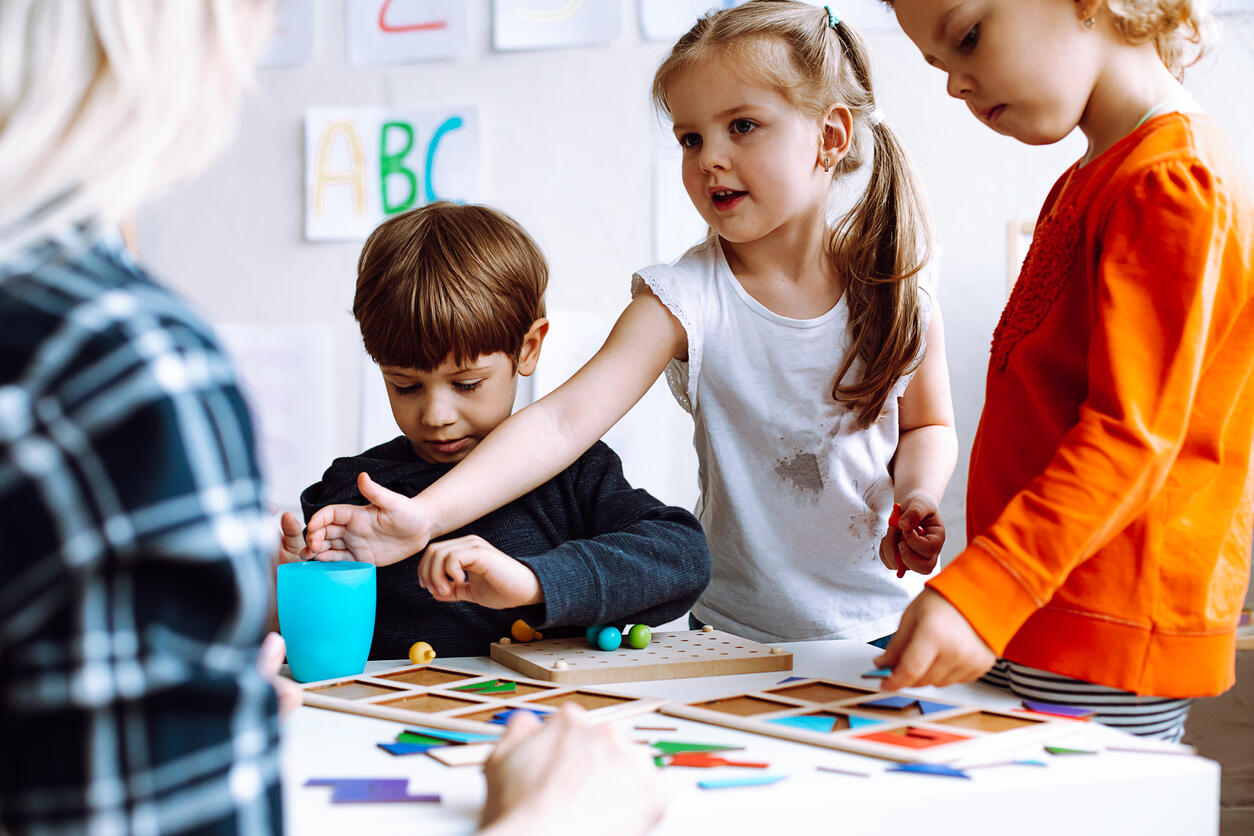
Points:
[(929, 769), (896, 701), (809, 723), (927, 707), (862, 722)]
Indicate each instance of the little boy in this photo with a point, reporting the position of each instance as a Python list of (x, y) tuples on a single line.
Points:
[(450, 301)]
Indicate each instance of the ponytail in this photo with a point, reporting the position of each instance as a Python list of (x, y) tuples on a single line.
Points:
[(880, 246)]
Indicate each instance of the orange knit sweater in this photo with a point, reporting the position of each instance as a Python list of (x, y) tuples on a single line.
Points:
[(1110, 491)]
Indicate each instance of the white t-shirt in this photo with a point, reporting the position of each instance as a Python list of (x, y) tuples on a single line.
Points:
[(795, 496)]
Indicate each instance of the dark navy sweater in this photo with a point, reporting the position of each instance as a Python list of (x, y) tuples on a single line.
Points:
[(604, 553)]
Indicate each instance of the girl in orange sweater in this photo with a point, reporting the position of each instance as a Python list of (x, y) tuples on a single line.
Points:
[(1110, 489)]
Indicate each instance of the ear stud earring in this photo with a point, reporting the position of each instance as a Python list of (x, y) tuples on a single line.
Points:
[(1089, 23), (827, 163)]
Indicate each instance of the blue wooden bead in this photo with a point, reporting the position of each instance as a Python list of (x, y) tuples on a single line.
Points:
[(609, 638), (591, 634)]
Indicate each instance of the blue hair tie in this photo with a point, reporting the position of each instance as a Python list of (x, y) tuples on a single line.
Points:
[(833, 20)]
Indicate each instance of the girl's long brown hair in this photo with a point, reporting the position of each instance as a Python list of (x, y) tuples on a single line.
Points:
[(882, 243)]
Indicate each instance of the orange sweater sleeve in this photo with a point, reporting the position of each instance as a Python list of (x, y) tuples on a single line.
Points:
[(1151, 309)]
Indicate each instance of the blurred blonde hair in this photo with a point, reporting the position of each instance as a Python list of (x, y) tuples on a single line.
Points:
[(880, 244), (104, 103)]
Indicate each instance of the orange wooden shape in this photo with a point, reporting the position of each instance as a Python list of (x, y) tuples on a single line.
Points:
[(913, 737), (706, 759)]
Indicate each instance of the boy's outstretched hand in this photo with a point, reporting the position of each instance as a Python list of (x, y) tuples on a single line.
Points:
[(472, 569), (934, 645), (914, 542), (389, 529)]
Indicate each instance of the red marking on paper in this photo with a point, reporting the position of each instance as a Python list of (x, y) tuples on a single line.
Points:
[(428, 26)]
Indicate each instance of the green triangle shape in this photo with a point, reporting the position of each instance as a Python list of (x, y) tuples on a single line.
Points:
[(410, 737), (671, 747)]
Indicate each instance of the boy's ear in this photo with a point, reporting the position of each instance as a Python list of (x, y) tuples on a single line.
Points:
[(837, 133), (529, 354)]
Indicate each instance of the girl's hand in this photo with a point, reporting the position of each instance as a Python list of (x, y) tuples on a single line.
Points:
[(291, 540), (935, 645), (472, 569), (388, 530), (915, 541)]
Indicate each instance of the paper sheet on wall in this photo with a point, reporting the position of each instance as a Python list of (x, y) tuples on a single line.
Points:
[(277, 364), (550, 24), (363, 165), (666, 20), (404, 31), (292, 44)]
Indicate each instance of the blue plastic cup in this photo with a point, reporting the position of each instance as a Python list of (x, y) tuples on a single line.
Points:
[(326, 616)]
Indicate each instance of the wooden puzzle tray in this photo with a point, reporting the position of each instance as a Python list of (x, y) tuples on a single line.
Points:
[(881, 724), (685, 653), (445, 697)]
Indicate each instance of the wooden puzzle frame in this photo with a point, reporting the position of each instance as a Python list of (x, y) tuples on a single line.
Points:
[(923, 730), (435, 696), (671, 655)]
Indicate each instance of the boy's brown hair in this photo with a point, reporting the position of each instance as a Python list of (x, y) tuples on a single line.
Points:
[(447, 280)]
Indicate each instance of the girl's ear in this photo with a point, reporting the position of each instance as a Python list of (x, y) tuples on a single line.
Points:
[(837, 134), (529, 355), (1087, 9)]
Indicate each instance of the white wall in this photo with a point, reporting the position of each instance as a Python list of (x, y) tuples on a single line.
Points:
[(567, 150)]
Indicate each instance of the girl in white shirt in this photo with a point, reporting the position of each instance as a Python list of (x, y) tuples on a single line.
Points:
[(807, 351)]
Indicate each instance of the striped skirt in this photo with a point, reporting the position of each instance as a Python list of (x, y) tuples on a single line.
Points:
[(1154, 717)]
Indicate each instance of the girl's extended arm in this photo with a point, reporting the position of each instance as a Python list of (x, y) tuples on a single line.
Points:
[(927, 450), (523, 452)]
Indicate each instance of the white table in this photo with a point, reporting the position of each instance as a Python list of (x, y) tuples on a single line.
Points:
[(1112, 792)]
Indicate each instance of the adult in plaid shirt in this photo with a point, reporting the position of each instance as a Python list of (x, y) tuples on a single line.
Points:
[(134, 579), (136, 694)]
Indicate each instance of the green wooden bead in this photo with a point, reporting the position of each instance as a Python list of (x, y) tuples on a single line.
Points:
[(639, 636)]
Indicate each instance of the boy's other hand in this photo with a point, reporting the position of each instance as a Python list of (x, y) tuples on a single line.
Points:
[(388, 530), (917, 538), (472, 569), (935, 645), (569, 776)]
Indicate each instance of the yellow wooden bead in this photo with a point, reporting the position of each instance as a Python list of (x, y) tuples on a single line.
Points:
[(521, 631), (420, 653)]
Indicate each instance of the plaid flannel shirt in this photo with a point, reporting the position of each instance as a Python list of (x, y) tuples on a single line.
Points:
[(134, 566)]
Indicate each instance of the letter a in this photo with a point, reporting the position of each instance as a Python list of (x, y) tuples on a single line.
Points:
[(354, 177)]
